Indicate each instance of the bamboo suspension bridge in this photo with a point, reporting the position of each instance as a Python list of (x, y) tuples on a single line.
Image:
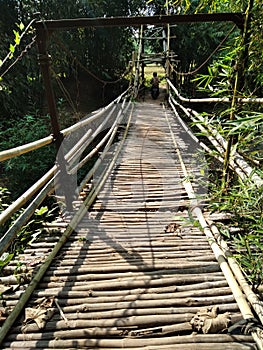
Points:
[(125, 265)]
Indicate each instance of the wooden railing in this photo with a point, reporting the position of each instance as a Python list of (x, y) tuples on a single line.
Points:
[(36, 194)]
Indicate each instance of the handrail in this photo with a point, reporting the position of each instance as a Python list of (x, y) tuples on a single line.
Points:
[(225, 264), (92, 137), (17, 204), (9, 236), (17, 151), (237, 158), (93, 117), (6, 240), (50, 175), (112, 133), (238, 164), (92, 152), (213, 99)]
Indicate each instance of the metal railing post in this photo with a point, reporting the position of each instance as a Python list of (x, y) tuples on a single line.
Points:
[(64, 179)]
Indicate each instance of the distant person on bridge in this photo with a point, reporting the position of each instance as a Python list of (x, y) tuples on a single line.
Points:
[(155, 86)]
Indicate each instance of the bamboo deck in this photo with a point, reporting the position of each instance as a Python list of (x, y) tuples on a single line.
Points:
[(122, 280)]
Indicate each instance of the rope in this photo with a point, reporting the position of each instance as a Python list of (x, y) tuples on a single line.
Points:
[(64, 91), (27, 48), (208, 58), (74, 58)]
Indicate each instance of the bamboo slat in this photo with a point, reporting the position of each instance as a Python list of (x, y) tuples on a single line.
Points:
[(117, 279), (225, 341)]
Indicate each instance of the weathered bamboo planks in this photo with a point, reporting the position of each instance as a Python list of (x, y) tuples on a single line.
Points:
[(122, 281)]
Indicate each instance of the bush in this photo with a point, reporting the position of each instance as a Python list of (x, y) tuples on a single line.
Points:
[(19, 173)]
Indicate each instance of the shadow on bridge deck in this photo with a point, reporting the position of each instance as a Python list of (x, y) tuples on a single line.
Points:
[(135, 271)]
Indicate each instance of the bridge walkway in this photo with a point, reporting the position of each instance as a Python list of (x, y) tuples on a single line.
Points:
[(136, 273)]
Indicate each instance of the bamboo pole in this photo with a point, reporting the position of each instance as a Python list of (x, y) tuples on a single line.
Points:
[(251, 296), (99, 145), (17, 204), (173, 103), (72, 225), (145, 294), (214, 99), (122, 322), (100, 128), (103, 154), (10, 235), (79, 147), (82, 297), (156, 310), (197, 342), (238, 164), (83, 330), (219, 254), (185, 267), (137, 68), (90, 119), (135, 282), (17, 151)]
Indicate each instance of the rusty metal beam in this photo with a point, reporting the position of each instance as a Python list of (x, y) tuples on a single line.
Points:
[(51, 25), (64, 180)]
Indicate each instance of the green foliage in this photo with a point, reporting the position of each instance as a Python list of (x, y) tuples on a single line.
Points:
[(244, 201), (248, 129), (237, 72), (32, 229), (28, 232), (218, 80), (23, 171), (4, 198), (5, 260), (104, 51)]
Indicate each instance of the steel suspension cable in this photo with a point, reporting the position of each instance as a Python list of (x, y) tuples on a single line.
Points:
[(27, 48), (207, 59), (105, 82)]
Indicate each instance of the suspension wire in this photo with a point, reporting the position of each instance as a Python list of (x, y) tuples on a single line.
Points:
[(208, 58), (102, 81), (27, 48), (64, 91), (22, 54)]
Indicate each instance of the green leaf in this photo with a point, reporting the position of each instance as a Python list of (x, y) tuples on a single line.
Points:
[(5, 259), (17, 37), (12, 48), (41, 211), (21, 26)]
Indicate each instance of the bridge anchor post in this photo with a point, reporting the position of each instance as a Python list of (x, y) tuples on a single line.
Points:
[(63, 178)]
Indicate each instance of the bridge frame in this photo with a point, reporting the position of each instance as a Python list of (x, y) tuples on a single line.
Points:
[(44, 30), (51, 25)]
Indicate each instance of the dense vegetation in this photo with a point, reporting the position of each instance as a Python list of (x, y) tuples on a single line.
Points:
[(80, 58), (83, 58)]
